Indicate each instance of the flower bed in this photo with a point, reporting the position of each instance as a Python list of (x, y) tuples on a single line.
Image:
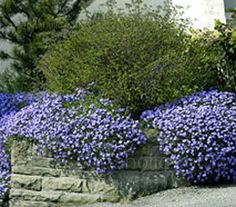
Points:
[(199, 134), (10, 104), (72, 127)]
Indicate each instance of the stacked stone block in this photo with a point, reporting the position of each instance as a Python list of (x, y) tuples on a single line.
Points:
[(37, 182)]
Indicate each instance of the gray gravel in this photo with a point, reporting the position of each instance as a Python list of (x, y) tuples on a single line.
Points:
[(224, 196)]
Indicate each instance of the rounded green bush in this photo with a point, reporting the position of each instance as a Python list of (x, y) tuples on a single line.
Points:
[(139, 60)]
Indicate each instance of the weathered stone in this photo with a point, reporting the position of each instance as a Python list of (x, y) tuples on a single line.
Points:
[(82, 174), (28, 195), (110, 198), (151, 150), (132, 184), (80, 199), (64, 184), (102, 186), (23, 203), (26, 182), (71, 166), (36, 171), (37, 181), (151, 134), (181, 182), (21, 153), (147, 163), (42, 162), (66, 200)]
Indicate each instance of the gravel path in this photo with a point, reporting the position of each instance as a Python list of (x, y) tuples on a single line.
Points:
[(224, 196)]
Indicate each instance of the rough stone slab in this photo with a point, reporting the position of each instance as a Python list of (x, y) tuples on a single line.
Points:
[(21, 153), (102, 186), (152, 135), (26, 182), (147, 163), (132, 184), (39, 182), (36, 171), (81, 174), (58, 197), (64, 184), (70, 166), (151, 150), (80, 199), (28, 195), (110, 198), (84, 198), (45, 162), (22, 203), (42, 162), (70, 184)]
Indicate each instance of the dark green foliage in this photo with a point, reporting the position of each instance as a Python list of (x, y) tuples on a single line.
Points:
[(226, 39), (28, 24), (140, 59), (11, 82), (233, 16)]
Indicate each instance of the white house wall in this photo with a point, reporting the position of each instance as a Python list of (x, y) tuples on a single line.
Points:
[(203, 13)]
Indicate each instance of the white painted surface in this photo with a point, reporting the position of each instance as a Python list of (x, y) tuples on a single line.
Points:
[(202, 13)]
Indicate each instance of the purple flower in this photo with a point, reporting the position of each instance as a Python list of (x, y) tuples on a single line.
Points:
[(69, 128), (198, 132)]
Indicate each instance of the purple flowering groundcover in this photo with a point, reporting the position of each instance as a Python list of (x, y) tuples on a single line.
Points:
[(10, 104), (198, 133), (68, 127)]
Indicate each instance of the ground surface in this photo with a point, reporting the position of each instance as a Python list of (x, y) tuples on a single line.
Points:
[(224, 196)]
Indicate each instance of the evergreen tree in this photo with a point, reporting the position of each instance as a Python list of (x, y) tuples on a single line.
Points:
[(28, 24)]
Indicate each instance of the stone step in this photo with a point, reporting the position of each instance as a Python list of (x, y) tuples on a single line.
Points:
[(20, 195)]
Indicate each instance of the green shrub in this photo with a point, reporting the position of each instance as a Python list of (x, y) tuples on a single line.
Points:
[(140, 59), (226, 39), (11, 82), (223, 42)]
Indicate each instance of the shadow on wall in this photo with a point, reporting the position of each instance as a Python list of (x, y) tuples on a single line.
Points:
[(5, 46), (229, 4)]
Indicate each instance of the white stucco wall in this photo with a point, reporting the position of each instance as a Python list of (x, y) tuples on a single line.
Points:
[(202, 13)]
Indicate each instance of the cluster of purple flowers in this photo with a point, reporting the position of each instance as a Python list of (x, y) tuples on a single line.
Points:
[(72, 127), (10, 104), (199, 134)]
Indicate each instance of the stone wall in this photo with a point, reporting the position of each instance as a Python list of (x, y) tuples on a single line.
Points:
[(37, 183)]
